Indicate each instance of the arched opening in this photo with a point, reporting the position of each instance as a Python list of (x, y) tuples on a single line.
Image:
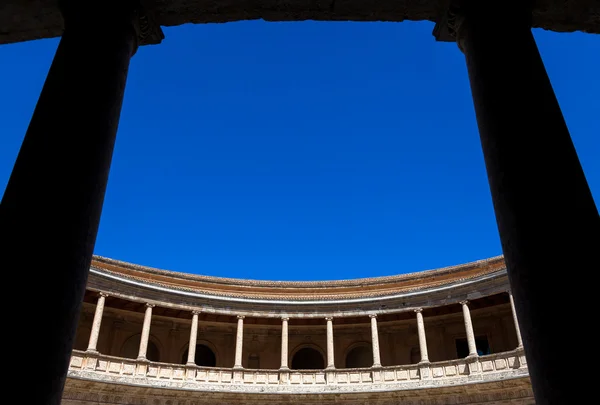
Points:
[(254, 361), (308, 358), (359, 357), (204, 356), (131, 347)]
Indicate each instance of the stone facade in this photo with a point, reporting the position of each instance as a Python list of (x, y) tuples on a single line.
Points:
[(455, 350)]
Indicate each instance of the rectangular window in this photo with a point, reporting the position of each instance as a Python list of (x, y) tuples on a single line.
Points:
[(462, 347)]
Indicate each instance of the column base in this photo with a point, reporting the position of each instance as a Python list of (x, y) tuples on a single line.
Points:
[(284, 375), (142, 359), (92, 351), (424, 362), (473, 364), (189, 364), (424, 370), (238, 368), (330, 375), (284, 369), (329, 368)]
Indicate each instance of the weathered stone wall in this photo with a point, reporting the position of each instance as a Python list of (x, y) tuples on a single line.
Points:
[(515, 391)]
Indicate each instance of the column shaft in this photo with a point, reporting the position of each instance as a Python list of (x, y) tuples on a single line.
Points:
[(66, 154), (145, 332), (516, 320), (191, 360), (375, 341), (330, 355), (239, 342), (92, 345), (284, 343), (533, 170), (422, 336), (469, 329)]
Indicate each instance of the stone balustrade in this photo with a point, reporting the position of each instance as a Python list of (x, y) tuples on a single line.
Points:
[(98, 367)]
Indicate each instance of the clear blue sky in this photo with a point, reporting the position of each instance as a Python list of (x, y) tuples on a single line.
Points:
[(302, 150)]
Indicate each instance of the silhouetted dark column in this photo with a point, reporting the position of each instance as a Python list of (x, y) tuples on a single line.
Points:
[(51, 207), (548, 223)]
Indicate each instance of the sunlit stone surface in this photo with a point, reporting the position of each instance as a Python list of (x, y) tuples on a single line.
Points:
[(142, 354)]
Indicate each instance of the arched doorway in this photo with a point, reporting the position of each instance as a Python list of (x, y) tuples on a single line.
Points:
[(131, 347), (308, 358), (204, 356), (359, 357)]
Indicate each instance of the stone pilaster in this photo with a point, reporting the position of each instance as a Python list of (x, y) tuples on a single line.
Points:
[(145, 332), (239, 342), (375, 341), (330, 355), (469, 328), (93, 343)]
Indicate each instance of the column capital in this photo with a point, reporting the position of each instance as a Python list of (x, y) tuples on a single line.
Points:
[(418, 310), (464, 302), (149, 305), (196, 312), (102, 294), (372, 316), (241, 316), (329, 318), (285, 318), (146, 28), (455, 25)]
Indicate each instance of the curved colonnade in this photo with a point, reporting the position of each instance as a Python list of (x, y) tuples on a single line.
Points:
[(440, 336)]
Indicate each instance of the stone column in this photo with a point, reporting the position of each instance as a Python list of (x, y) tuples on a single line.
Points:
[(66, 153), (145, 332), (239, 342), (469, 328), (96, 324), (191, 360), (330, 355), (375, 341), (422, 337), (516, 321), (533, 169), (284, 344)]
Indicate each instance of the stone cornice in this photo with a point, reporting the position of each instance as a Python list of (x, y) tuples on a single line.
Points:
[(297, 290), (23, 20), (311, 306)]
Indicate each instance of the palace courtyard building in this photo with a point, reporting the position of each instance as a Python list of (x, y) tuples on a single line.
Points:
[(440, 337), (446, 336)]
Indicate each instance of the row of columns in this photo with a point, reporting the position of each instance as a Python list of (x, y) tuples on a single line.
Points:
[(95, 332), (530, 160)]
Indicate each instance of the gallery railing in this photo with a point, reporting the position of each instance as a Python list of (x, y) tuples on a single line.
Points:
[(492, 367)]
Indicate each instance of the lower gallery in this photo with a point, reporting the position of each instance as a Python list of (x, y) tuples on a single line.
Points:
[(155, 337)]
